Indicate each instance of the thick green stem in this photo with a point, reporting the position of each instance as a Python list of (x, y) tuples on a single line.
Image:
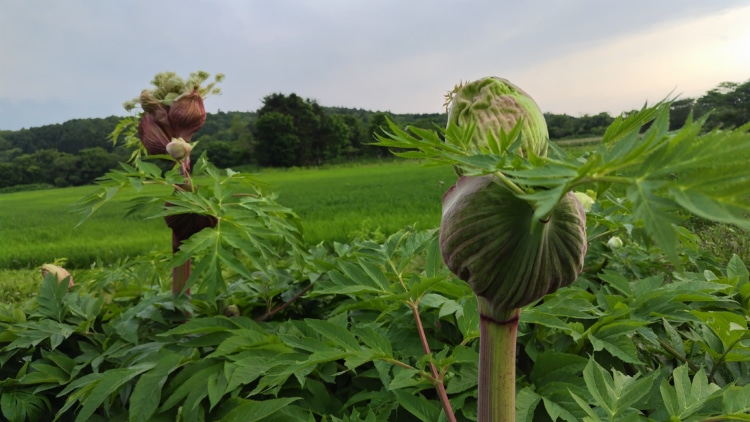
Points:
[(497, 364)]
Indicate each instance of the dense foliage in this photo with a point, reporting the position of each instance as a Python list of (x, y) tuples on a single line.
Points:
[(372, 330)]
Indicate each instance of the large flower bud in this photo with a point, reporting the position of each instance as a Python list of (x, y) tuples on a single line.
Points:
[(187, 115), (494, 105), (158, 111), (152, 135), (489, 238), (148, 102)]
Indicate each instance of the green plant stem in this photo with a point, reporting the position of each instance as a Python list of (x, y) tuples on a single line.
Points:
[(509, 184), (281, 307), (677, 355), (438, 377), (497, 364), (722, 357)]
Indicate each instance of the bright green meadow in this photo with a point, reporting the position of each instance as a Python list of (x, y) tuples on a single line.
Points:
[(334, 204)]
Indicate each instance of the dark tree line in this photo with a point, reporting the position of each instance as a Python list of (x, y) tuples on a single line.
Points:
[(291, 131)]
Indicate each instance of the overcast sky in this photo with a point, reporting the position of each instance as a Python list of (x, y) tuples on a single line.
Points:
[(65, 59)]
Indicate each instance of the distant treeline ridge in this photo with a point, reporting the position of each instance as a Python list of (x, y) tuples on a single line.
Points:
[(288, 131)]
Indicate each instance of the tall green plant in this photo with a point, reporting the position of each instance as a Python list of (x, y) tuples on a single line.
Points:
[(519, 233), (172, 113)]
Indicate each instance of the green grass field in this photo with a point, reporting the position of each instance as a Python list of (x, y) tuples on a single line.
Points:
[(334, 204)]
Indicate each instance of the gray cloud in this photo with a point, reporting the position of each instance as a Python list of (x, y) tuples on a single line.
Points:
[(83, 58)]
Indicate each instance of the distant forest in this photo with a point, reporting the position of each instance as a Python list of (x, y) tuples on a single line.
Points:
[(289, 131)]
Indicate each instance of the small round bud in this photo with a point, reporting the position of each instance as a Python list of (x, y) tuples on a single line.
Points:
[(614, 242), (232, 311), (178, 149), (585, 200)]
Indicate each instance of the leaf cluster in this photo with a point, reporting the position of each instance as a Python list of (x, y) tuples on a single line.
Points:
[(664, 174)]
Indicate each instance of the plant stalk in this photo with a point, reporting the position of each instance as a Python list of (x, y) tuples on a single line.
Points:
[(181, 273), (497, 364), (437, 376)]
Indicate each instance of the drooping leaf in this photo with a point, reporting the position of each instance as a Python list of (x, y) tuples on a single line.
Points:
[(242, 410), (417, 405), (146, 395)]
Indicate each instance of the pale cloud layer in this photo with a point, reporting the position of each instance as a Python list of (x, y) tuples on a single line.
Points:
[(82, 58)]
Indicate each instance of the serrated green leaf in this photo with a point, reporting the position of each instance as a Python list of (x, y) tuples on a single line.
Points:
[(373, 339), (729, 327), (620, 347), (601, 386), (146, 394), (374, 278), (23, 406), (654, 212), (217, 384), (243, 410), (737, 268), (50, 298), (434, 261), (243, 340), (339, 335), (555, 410), (246, 368), (591, 415), (190, 383), (736, 400), (526, 403), (108, 384), (208, 325), (687, 398), (375, 273), (417, 405), (151, 170), (725, 210), (403, 378), (554, 366), (34, 332), (468, 322)]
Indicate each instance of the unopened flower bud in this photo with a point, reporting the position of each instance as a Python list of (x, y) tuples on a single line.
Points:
[(187, 115), (614, 242), (496, 105), (59, 272), (148, 102), (179, 149), (152, 135), (490, 239), (585, 200), (232, 311)]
